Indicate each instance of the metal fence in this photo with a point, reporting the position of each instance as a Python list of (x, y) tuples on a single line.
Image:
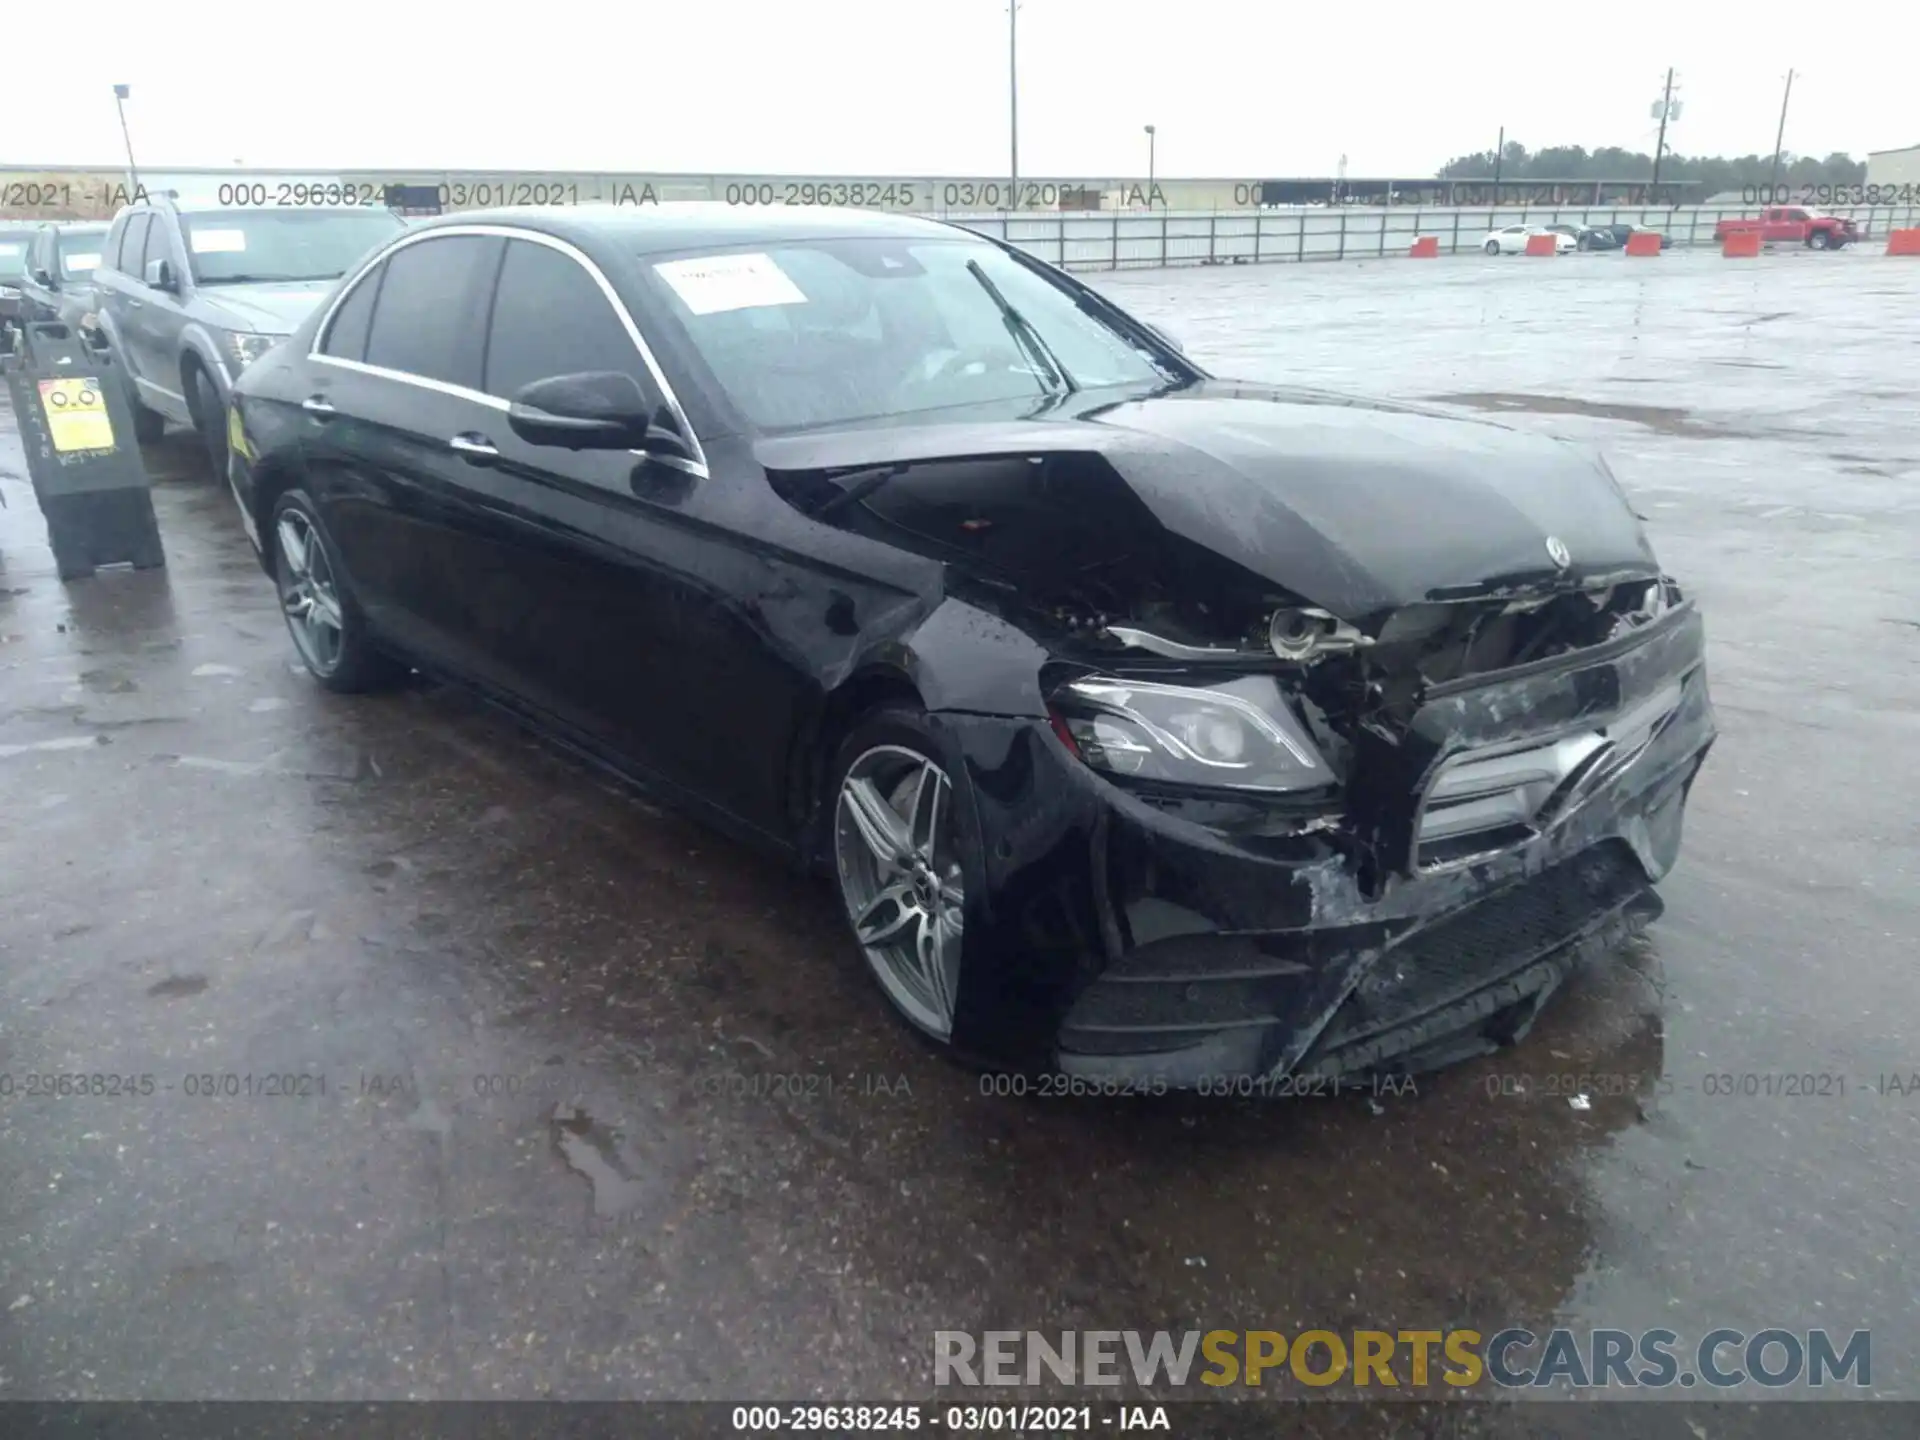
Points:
[(1140, 239)]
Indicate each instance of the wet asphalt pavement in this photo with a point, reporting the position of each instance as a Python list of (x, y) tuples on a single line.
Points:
[(517, 982)]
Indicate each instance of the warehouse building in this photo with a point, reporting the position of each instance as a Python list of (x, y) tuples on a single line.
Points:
[(1894, 167)]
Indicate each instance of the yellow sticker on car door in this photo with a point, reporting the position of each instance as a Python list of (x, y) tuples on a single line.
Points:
[(76, 414)]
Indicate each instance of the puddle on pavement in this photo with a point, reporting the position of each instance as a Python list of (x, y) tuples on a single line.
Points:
[(65, 742), (176, 986), (591, 1150), (1662, 419)]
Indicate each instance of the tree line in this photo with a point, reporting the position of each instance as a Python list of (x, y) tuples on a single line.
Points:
[(1713, 172)]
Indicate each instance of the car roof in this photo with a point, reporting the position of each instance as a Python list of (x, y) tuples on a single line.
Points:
[(690, 224)]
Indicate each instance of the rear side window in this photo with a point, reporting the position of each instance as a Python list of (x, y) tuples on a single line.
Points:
[(423, 321), (133, 243), (550, 318), (347, 334)]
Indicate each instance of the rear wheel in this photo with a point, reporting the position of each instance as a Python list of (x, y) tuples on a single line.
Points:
[(148, 425), (1493, 247), (900, 862), (327, 627)]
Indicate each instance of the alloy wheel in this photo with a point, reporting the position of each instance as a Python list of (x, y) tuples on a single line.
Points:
[(308, 594), (900, 876)]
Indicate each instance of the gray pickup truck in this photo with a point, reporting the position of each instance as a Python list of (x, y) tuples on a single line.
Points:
[(189, 296)]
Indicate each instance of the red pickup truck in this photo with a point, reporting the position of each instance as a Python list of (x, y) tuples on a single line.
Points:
[(1797, 224)]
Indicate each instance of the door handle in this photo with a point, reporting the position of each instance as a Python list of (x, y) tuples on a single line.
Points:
[(317, 405), (477, 448)]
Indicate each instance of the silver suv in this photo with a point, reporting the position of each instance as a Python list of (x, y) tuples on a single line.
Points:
[(189, 296)]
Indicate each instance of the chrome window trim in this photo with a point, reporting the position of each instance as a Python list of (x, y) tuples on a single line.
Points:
[(695, 466)]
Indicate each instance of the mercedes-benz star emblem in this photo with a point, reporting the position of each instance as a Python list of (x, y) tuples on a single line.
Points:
[(1557, 552)]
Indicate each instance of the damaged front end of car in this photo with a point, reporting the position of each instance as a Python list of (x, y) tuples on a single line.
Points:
[(1256, 834)]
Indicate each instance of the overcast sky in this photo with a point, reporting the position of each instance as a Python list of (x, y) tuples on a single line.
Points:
[(919, 87)]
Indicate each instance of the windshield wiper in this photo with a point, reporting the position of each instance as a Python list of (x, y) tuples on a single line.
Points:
[(1024, 335)]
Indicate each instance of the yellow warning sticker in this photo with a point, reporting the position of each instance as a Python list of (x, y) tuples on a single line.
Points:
[(76, 414)]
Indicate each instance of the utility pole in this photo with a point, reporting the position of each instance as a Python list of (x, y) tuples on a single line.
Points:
[(1499, 154), (1660, 145), (1150, 133), (1013, 101), (1779, 137)]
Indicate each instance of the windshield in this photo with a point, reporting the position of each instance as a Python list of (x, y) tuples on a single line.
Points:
[(805, 334), (80, 251), (239, 246), (13, 255)]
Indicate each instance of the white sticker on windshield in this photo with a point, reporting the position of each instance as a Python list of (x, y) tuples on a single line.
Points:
[(730, 282), (219, 242), (82, 262)]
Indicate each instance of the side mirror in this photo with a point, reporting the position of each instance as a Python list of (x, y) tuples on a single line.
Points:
[(160, 275), (597, 410)]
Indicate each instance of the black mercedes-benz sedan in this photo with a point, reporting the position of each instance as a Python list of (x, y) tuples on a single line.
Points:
[(1156, 729)]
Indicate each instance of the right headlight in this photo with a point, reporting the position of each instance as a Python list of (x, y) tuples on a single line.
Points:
[(1238, 735)]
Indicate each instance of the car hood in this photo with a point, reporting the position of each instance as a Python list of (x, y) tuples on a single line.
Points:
[(1356, 506), (269, 309)]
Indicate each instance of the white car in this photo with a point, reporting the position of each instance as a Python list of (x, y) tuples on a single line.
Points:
[(1513, 240)]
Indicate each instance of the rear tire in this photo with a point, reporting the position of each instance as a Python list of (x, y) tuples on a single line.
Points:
[(329, 632), (1493, 247), (148, 425)]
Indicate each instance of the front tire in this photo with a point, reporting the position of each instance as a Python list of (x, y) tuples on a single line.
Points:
[(900, 859), (1817, 240), (210, 420), (328, 629)]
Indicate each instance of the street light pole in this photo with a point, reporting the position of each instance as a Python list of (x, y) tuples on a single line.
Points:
[(1013, 101), (120, 93), (1150, 133), (1779, 138)]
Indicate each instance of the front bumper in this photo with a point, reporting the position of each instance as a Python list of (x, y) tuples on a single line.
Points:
[(1121, 939)]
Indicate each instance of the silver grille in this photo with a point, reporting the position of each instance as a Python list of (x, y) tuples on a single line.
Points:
[(1486, 799)]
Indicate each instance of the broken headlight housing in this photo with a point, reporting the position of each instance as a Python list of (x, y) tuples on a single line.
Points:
[(248, 347), (1237, 735)]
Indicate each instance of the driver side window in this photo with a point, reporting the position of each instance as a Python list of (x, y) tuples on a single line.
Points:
[(551, 318)]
